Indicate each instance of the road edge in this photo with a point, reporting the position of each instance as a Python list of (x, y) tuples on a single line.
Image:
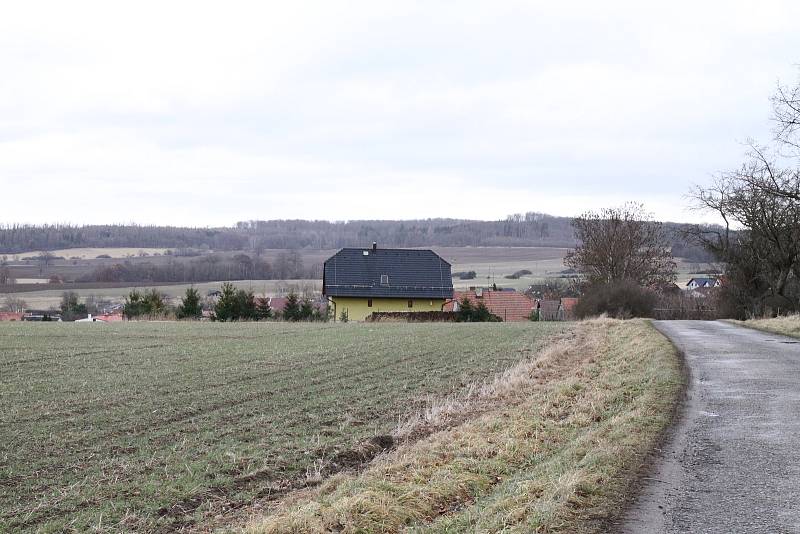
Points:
[(654, 463)]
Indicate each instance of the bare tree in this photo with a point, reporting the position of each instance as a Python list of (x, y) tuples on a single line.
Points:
[(759, 205), (774, 170), (786, 114), (759, 242), (5, 272), (44, 258), (770, 171), (621, 245), (14, 304)]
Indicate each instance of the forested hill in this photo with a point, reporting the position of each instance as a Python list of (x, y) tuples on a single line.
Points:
[(531, 229)]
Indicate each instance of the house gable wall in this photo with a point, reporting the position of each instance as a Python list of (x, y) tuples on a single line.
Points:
[(358, 308)]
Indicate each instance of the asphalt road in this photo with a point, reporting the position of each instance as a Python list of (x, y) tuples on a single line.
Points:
[(732, 463)]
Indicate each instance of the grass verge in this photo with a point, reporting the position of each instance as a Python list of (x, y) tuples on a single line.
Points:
[(554, 445), (786, 326)]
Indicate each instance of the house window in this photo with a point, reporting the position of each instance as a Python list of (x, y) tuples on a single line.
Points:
[(384, 279), (369, 303), (410, 303)]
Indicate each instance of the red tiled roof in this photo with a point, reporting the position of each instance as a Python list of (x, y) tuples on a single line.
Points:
[(568, 303), (508, 305), (110, 317), (277, 304)]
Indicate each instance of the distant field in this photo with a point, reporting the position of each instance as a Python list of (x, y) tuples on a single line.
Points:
[(25, 281), (153, 426), (76, 269), (52, 297), (492, 264), (91, 253)]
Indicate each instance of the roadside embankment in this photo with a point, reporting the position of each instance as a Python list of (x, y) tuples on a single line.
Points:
[(786, 326), (555, 444)]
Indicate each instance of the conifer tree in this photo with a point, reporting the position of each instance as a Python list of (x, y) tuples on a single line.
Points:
[(190, 305), (263, 309), (225, 308), (291, 312)]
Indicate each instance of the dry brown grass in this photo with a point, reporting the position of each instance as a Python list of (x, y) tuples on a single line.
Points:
[(551, 445), (787, 326)]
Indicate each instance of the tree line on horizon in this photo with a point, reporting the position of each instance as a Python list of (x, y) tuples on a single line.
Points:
[(287, 265), (528, 229)]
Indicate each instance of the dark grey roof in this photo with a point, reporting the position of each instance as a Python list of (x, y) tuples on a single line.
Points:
[(703, 281), (411, 274)]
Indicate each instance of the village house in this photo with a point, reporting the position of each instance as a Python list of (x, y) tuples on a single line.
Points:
[(507, 304), (111, 317), (550, 310), (11, 316), (90, 319), (703, 282), (41, 315), (703, 287), (568, 305), (360, 281), (277, 304)]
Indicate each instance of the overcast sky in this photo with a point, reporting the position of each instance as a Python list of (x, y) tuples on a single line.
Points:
[(197, 113)]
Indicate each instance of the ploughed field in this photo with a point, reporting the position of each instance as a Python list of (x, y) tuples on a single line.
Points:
[(158, 426)]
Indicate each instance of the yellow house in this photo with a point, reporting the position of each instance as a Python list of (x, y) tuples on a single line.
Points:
[(359, 281)]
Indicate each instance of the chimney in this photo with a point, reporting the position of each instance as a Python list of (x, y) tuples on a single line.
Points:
[(374, 246)]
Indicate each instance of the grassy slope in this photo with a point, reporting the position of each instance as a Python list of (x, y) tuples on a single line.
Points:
[(140, 426), (554, 448), (787, 326)]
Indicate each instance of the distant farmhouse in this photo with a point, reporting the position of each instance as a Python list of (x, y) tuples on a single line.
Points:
[(359, 281), (697, 283)]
